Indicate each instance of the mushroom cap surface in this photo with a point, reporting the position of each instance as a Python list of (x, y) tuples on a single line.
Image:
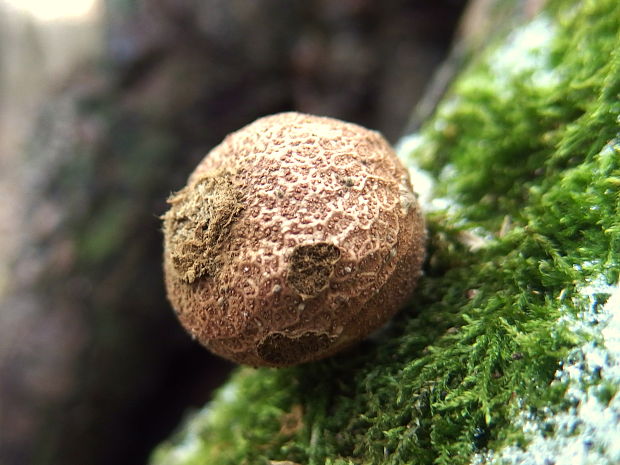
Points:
[(294, 238)]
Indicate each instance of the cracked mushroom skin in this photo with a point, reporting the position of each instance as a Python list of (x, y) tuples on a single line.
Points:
[(294, 238)]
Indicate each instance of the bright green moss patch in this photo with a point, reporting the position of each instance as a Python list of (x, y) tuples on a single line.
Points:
[(524, 156)]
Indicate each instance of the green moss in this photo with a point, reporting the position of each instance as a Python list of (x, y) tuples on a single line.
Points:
[(526, 139)]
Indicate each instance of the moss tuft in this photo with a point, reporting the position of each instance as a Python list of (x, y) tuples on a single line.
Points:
[(199, 217)]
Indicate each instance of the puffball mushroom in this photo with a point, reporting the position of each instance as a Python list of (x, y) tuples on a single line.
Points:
[(294, 238)]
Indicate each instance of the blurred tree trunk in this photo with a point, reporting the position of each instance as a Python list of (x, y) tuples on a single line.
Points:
[(94, 367)]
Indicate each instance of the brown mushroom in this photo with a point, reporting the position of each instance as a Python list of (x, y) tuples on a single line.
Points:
[(295, 237)]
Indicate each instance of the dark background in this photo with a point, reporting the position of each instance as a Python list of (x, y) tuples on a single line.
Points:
[(98, 370)]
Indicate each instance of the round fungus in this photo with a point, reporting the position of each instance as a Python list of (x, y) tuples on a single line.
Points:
[(294, 238)]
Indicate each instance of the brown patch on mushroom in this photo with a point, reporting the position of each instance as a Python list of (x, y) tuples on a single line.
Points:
[(280, 349), (199, 216), (296, 237), (311, 266)]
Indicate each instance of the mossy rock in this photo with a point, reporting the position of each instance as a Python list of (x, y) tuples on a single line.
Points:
[(510, 351)]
